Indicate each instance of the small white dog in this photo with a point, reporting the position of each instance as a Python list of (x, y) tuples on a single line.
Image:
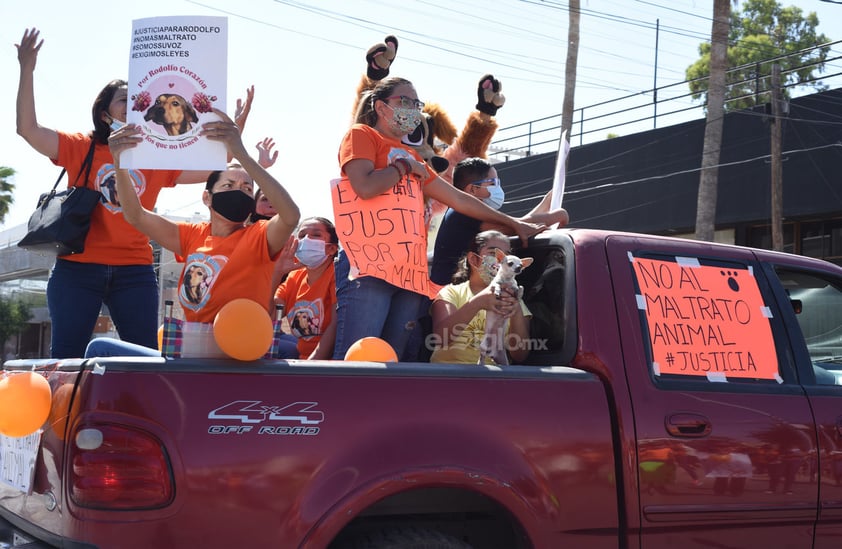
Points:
[(493, 342)]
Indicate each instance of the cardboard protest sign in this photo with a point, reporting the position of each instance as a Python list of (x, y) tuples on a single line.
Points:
[(177, 74), (384, 236), (705, 320)]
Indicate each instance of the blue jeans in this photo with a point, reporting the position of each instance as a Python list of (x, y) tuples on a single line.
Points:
[(108, 346), (369, 306), (288, 347), (76, 292)]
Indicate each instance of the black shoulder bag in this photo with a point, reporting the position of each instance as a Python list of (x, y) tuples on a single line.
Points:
[(62, 219)]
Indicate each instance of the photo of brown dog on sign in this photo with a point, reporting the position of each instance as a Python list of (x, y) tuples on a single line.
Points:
[(173, 112)]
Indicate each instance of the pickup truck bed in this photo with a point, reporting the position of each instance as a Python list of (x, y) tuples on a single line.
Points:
[(286, 455)]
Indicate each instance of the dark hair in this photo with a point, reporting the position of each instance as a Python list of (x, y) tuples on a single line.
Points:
[(469, 170), (214, 177), (385, 88), (102, 129), (331, 229), (463, 271)]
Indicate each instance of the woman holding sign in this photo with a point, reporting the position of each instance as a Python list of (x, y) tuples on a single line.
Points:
[(224, 259), (115, 268), (379, 211)]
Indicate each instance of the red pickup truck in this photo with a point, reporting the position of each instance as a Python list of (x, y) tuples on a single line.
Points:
[(678, 394)]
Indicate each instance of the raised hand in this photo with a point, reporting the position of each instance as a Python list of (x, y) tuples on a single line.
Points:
[(241, 113), (266, 158), (28, 49)]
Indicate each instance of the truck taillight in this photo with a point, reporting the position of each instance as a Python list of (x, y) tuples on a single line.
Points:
[(119, 467)]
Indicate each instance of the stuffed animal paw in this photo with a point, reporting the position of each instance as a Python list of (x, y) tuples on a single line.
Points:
[(379, 58), (489, 95)]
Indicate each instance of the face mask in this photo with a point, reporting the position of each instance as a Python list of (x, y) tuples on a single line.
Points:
[(115, 124), (233, 205), (404, 120), (488, 268), (310, 252), (495, 199)]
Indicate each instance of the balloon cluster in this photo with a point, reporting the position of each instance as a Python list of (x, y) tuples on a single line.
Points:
[(243, 330), (25, 399)]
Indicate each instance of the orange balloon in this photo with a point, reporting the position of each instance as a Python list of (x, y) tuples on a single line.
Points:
[(372, 349), (60, 412), (161, 337), (24, 403), (243, 329)]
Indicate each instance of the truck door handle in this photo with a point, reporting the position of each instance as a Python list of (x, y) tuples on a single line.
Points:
[(688, 425)]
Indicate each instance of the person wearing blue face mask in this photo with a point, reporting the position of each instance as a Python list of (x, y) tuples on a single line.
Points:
[(308, 293), (478, 177)]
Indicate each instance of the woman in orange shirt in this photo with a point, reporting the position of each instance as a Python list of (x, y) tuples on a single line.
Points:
[(224, 259), (116, 267), (308, 293), (378, 206)]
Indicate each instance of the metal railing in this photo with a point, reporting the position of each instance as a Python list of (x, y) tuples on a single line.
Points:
[(651, 108)]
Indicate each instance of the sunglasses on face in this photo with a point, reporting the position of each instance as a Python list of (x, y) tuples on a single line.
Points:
[(489, 182), (408, 102)]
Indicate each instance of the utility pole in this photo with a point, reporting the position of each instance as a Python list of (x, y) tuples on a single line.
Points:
[(777, 167)]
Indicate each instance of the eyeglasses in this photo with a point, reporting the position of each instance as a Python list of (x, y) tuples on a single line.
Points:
[(408, 102), (489, 182)]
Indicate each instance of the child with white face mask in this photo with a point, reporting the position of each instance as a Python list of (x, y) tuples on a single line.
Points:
[(308, 294)]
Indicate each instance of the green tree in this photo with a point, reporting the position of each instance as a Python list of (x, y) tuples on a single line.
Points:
[(6, 189), (763, 30), (13, 317)]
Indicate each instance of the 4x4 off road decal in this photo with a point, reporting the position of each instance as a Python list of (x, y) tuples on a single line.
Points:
[(246, 416)]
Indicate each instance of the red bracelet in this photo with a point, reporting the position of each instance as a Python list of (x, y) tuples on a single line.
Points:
[(401, 173), (406, 165)]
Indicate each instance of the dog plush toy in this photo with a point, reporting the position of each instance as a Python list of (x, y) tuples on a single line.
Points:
[(493, 342), (436, 124)]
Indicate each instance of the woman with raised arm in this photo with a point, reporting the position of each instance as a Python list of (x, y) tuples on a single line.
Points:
[(116, 267), (224, 259)]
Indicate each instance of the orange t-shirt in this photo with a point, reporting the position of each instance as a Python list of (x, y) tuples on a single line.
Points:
[(384, 236), (309, 309), (220, 269), (111, 239)]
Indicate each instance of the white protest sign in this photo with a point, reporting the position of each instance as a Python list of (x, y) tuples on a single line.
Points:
[(560, 173), (178, 71)]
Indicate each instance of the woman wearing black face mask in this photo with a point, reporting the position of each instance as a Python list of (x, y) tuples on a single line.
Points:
[(223, 259), (115, 268)]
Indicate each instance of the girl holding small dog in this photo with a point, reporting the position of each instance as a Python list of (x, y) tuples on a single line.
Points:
[(459, 310), (379, 212)]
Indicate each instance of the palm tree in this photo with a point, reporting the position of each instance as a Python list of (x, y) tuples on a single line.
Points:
[(6, 190), (709, 178), (570, 67)]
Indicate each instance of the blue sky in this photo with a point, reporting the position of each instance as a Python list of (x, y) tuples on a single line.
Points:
[(305, 60)]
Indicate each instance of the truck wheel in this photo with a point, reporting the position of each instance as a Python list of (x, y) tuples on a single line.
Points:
[(406, 538)]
